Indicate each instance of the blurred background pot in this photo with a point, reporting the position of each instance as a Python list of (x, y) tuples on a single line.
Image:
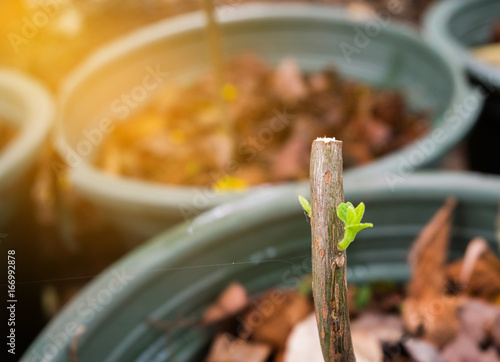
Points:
[(175, 51), (261, 241), (29, 108), (456, 26)]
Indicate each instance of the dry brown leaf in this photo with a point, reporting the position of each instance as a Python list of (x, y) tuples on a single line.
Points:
[(220, 148), (288, 82), (435, 319), (383, 327), (280, 357), (427, 311), (318, 82), (428, 254), (377, 133), (231, 301), (357, 153), (271, 322), (227, 348), (246, 70), (478, 273), (293, 158)]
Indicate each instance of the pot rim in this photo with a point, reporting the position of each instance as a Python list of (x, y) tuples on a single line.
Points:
[(34, 115), (437, 32)]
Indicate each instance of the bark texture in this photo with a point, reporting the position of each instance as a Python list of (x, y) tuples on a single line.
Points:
[(328, 263)]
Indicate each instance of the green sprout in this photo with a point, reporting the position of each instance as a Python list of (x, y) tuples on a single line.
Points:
[(305, 205), (352, 219), (349, 215)]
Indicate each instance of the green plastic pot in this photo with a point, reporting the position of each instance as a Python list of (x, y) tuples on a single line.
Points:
[(261, 241), (315, 35), (454, 26), (28, 105)]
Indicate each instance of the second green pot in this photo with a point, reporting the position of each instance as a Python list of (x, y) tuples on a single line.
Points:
[(260, 241)]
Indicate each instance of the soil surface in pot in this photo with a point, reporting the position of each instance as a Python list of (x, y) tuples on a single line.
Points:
[(448, 311), (264, 136)]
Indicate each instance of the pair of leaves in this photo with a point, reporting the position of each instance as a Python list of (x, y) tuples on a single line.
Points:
[(349, 215), (352, 219)]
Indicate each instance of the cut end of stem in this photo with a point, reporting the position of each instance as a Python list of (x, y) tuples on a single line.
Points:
[(325, 139)]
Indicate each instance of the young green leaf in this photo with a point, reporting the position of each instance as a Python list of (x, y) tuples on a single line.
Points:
[(305, 205), (355, 228), (360, 211), (342, 212), (352, 219), (351, 215)]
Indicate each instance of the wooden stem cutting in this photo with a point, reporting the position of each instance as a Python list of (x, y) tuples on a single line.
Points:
[(328, 263)]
